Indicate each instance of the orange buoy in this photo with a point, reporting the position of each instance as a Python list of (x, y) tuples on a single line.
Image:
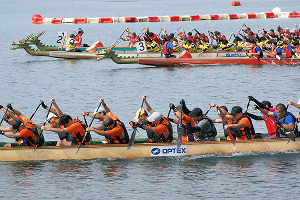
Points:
[(235, 3)]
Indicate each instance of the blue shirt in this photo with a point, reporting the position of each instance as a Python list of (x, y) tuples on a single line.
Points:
[(169, 46), (288, 120)]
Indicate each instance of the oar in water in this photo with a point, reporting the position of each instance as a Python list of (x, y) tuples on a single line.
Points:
[(43, 125), (40, 103), (86, 132), (286, 131), (228, 131), (180, 129), (131, 141)]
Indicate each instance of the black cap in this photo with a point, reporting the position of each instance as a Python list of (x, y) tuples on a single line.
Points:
[(196, 112), (235, 110), (106, 123), (16, 124), (266, 103)]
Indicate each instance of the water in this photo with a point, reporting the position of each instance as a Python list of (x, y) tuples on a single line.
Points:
[(79, 84)]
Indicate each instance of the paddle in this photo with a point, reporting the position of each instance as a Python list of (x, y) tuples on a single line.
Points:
[(207, 110), (117, 42), (228, 131), (43, 125), (88, 126), (286, 132), (40, 103), (177, 29), (131, 141), (3, 116), (180, 130)]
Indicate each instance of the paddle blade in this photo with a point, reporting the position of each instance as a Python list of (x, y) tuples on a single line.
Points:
[(231, 137), (131, 141), (180, 132), (291, 136), (279, 58)]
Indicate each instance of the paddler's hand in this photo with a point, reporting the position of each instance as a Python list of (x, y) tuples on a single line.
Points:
[(290, 102), (212, 104), (144, 97), (46, 128), (298, 118), (88, 129), (226, 126), (83, 113), (254, 107), (102, 101), (53, 101)]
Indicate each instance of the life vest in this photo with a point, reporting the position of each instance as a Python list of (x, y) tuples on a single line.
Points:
[(193, 39), (133, 39), (77, 138), (77, 38), (274, 52), (178, 48), (189, 136), (154, 47), (69, 45), (117, 139), (206, 48), (190, 48), (280, 122), (245, 134), (167, 51), (288, 52), (254, 51), (166, 122), (229, 47), (212, 133), (36, 138)]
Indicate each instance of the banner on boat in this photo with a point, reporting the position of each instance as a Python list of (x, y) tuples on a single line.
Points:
[(168, 151)]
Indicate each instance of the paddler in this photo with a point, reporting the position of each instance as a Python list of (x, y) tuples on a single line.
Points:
[(132, 38), (205, 47), (152, 45), (187, 121), (285, 119), (297, 105), (75, 129), (169, 47), (241, 124), (24, 129), (255, 50), (112, 128), (288, 50), (204, 129), (70, 44), (189, 46), (158, 128), (78, 37), (226, 45)]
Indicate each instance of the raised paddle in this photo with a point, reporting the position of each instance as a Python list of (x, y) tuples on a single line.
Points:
[(177, 29), (286, 131), (43, 125), (207, 110), (180, 129), (40, 103), (86, 132), (131, 141), (228, 131), (3, 116)]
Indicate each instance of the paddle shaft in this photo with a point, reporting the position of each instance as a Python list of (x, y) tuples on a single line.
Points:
[(228, 131), (179, 140), (88, 126), (177, 30), (3, 116), (131, 141), (207, 110), (35, 110)]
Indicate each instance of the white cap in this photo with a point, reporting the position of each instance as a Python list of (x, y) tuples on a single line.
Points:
[(155, 116), (50, 116), (101, 109)]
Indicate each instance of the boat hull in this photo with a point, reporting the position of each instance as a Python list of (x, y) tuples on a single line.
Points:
[(143, 150), (215, 60)]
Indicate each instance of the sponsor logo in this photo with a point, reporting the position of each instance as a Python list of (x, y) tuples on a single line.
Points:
[(233, 54), (168, 151)]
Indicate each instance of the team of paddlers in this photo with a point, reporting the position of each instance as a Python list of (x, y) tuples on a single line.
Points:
[(256, 44), (196, 125)]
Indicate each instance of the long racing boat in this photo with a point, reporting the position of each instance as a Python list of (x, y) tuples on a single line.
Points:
[(143, 150)]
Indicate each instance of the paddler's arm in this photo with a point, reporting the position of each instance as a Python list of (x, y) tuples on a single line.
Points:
[(266, 112), (106, 109), (289, 126), (98, 131), (293, 104), (8, 113), (56, 130), (147, 106), (144, 126), (18, 113), (59, 113), (5, 129), (235, 126), (12, 135)]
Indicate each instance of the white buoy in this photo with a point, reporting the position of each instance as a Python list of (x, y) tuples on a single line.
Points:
[(276, 10)]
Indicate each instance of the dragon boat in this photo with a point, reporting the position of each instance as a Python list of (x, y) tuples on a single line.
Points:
[(217, 61), (142, 149)]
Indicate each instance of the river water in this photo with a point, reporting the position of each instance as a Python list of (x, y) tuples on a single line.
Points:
[(79, 84)]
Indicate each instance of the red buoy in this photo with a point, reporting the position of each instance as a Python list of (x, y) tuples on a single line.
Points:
[(36, 18), (235, 3)]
